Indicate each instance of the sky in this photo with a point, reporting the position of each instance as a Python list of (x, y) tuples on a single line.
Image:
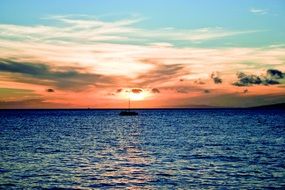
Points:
[(160, 54)]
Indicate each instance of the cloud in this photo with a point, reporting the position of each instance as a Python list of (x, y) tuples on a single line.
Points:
[(267, 81), (258, 11), (155, 90), (50, 90), (251, 79), (275, 74), (247, 80), (136, 90), (23, 68), (62, 77), (216, 78), (70, 29), (161, 72), (119, 90), (203, 34), (206, 91)]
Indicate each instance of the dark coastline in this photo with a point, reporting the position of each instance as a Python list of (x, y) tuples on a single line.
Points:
[(263, 107)]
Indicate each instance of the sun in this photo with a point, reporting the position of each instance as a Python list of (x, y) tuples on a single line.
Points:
[(135, 94)]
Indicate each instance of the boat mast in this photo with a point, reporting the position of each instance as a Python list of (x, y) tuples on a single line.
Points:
[(129, 101)]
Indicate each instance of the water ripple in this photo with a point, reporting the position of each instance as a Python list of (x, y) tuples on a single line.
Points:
[(168, 149)]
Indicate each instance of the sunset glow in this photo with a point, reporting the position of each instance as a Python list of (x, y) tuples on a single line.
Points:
[(83, 56), (140, 95)]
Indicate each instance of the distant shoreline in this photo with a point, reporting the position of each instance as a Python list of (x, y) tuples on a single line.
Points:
[(273, 106)]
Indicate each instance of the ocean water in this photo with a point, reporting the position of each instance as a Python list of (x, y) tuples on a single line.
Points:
[(159, 149)]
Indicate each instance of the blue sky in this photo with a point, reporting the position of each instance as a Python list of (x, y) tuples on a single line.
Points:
[(266, 16)]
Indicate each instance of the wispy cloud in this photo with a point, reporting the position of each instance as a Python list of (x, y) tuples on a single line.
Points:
[(91, 30), (258, 11)]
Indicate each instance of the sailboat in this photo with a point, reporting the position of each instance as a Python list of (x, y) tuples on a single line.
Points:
[(128, 112)]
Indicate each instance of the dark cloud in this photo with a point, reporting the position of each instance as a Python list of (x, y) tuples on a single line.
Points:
[(155, 90), (216, 78), (248, 80), (119, 90), (23, 68), (267, 81), (274, 73), (240, 75), (67, 78), (50, 90), (206, 91), (136, 90)]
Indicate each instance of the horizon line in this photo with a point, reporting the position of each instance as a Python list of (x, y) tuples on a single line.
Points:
[(270, 106)]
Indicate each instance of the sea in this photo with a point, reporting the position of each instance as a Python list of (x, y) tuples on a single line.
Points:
[(158, 149)]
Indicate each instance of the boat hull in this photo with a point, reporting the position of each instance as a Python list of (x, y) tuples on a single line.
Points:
[(128, 113)]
